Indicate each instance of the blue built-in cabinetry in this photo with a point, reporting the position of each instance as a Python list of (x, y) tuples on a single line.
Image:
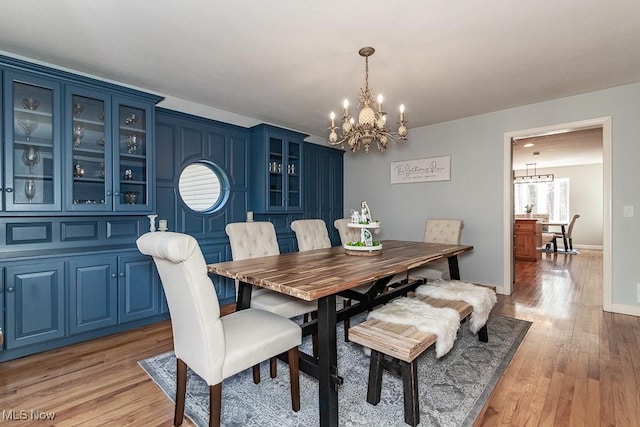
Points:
[(323, 186), (76, 183), (277, 176), (182, 139), (82, 164)]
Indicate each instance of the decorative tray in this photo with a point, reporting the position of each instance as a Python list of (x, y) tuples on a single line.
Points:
[(368, 225)]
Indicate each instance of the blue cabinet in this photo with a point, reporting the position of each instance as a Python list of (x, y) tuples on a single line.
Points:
[(277, 167), (34, 303), (2, 333), (138, 288), (93, 293), (323, 177), (32, 151), (108, 290), (74, 144)]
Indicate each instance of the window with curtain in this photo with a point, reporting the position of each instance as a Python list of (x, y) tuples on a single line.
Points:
[(546, 197)]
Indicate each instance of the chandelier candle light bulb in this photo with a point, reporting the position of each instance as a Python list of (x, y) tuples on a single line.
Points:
[(371, 125)]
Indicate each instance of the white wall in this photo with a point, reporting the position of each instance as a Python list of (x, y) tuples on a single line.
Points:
[(585, 198), (475, 192)]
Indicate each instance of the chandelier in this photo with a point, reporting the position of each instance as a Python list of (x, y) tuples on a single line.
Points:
[(372, 124)]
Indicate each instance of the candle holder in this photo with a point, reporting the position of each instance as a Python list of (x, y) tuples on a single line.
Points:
[(152, 222)]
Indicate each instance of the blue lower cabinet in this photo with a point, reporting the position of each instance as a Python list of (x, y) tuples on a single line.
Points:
[(2, 332), (34, 303), (138, 288), (93, 293)]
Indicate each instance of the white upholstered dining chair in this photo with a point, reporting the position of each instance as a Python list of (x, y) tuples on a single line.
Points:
[(214, 347), (257, 239), (439, 230), (311, 234), (346, 233)]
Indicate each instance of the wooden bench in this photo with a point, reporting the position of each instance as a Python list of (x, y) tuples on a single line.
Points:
[(403, 343)]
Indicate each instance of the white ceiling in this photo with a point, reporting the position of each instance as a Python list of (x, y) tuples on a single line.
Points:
[(578, 147), (290, 62)]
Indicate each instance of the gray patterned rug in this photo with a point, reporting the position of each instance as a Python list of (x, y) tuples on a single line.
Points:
[(452, 389)]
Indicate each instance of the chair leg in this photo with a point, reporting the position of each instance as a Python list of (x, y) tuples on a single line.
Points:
[(256, 374), (555, 245), (273, 367), (294, 374), (215, 404), (570, 244), (181, 389), (347, 322)]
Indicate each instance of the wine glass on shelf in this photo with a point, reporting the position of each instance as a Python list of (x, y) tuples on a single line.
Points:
[(28, 127), (30, 189), (78, 134), (77, 109), (31, 157), (30, 103)]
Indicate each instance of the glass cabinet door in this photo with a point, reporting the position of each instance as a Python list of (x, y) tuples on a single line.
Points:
[(32, 148), (89, 165), (276, 175), (133, 152), (294, 199)]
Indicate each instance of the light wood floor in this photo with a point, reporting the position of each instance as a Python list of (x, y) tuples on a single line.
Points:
[(577, 365)]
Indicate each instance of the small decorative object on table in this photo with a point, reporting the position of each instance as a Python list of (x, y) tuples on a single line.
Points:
[(362, 220), (162, 225)]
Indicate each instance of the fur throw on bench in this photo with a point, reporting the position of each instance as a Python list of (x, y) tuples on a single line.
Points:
[(481, 298), (442, 322)]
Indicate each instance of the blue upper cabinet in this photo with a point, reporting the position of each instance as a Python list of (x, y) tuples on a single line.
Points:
[(276, 160), (73, 144), (32, 151)]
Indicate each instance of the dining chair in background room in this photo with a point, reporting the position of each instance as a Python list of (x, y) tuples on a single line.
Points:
[(568, 235), (439, 230), (214, 347), (257, 239)]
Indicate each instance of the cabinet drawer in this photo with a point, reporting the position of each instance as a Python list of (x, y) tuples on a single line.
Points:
[(526, 226)]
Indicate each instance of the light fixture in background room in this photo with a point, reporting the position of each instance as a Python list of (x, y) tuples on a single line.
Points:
[(372, 119), (532, 178)]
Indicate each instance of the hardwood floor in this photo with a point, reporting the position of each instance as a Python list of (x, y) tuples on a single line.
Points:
[(577, 365)]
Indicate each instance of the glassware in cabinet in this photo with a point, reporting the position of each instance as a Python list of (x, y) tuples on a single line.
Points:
[(32, 150), (88, 166), (134, 153)]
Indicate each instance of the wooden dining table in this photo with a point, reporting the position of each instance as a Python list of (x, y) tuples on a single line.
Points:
[(321, 275)]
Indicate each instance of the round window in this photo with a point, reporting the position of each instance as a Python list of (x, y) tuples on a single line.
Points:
[(203, 187)]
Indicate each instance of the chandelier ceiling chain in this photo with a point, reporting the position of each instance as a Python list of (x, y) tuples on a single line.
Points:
[(371, 125)]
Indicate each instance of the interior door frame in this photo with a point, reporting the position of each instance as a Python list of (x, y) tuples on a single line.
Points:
[(605, 124)]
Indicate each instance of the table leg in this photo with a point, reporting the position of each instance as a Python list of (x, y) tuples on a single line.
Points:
[(454, 269), (564, 238), (244, 296), (328, 362)]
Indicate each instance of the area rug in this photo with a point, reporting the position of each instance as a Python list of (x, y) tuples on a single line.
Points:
[(453, 389)]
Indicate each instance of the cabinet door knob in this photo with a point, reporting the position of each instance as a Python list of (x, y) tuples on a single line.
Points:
[(9, 190), (114, 275), (116, 194), (10, 289), (109, 193), (121, 274)]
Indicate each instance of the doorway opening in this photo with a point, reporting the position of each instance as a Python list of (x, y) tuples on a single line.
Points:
[(605, 124)]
